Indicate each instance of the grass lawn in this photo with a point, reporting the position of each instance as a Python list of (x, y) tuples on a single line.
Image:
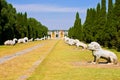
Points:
[(68, 63), (7, 50), (18, 66)]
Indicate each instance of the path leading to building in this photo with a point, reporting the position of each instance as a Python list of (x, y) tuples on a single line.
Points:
[(35, 65), (20, 65), (9, 57)]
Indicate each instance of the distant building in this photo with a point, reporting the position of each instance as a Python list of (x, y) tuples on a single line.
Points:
[(53, 34)]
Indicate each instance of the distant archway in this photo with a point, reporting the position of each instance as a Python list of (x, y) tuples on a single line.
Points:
[(57, 33)]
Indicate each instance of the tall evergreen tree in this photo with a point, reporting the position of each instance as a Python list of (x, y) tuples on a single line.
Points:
[(117, 15), (116, 23), (88, 26), (77, 28), (96, 23), (8, 14), (101, 23), (70, 32), (109, 29), (105, 28)]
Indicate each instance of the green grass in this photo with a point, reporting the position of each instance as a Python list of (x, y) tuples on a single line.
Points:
[(7, 50), (68, 63), (18, 66), (63, 63)]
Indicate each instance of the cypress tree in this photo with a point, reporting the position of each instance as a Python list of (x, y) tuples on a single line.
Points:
[(89, 27), (100, 35), (86, 28), (70, 32), (110, 29), (116, 13), (77, 28), (97, 22)]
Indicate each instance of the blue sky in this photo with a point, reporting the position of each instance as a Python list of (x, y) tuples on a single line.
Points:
[(55, 14)]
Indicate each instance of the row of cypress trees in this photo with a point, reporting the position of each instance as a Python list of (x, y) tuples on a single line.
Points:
[(17, 25), (101, 25)]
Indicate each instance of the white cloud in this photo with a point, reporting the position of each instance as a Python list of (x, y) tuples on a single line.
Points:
[(46, 8), (52, 21)]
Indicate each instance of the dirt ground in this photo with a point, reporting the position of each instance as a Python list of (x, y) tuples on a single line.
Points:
[(89, 64)]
